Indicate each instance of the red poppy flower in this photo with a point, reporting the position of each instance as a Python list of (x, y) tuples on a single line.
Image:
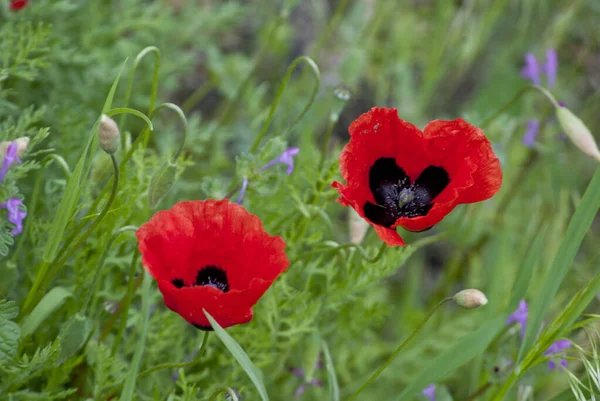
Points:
[(212, 255), (398, 175), (16, 5)]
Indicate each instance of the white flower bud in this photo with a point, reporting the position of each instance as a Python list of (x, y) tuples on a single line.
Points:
[(21, 146), (108, 134), (576, 130), (357, 226), (470, 299)]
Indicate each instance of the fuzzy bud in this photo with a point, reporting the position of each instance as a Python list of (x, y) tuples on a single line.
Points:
[(161, 182), (470, 299), (576, 130), (21, 146), (108, 134)]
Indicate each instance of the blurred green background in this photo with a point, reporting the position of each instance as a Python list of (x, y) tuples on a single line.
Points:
[(223, 62)]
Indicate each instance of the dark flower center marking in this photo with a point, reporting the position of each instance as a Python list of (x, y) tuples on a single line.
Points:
[(209, 275), (203, 328), (395, 195), (213, 276)]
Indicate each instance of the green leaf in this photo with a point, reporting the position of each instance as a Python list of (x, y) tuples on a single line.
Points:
[(461, 352), (161, 182), (53, 300), (129, 387), (525, 272), (8, 309), (240, 356), (578, 226), (334, 388), (73, 336), (75, 185), (9, 341)]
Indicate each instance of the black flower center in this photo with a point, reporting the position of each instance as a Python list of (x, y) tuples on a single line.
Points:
[(395, 195), (209, 275)]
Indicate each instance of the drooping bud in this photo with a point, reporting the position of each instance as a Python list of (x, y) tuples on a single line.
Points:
[(470, 299), (161, 182), (576, 130), (108, 134), (342, 95), (21, 146)]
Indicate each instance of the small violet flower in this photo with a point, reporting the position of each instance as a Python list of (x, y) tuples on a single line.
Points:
[(286, 157), (532, 70), (429, 392), (533, 127), (557, 349), (519, 316), (314, 382), (10, 158), (551, 67), (15, 214)]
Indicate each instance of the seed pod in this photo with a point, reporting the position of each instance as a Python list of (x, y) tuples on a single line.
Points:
[(470, 299), (108, 134), (161, 182), (576, 130)]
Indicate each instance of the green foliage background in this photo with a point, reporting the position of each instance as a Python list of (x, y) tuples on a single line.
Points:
[(223, 62)]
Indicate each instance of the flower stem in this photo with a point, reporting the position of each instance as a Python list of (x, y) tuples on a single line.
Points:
[(400, 348), (47, 273), (480, 391), (177, 365), (123, 307), (507, 106), (326, 140), (100, 264)]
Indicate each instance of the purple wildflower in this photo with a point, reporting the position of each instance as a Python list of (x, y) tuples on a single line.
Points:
[(15, 214), (557, 348), (519, 316), (286, 157), (429, 392), (531, 71), (314, 382), (10, 158), (551, 67), (242, 190), (533, 127)]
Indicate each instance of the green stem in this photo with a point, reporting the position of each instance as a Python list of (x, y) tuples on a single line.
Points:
[(176, 365), (125, 303), (400, 348), (514, 100), (291, 68), (224, 390), (100, 264), (136, 62), (184, 123), (197, 96), (480, 391), (48, 270), (333, 23), (326, 139)]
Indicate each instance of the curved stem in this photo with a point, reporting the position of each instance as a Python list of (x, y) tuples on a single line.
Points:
[(183, 120), (127, 110), (507, 106), (85, 235), (176, 365), (291, 68), (136, 62), (224, 390), (400, 348), (100, 264), (123, 307)]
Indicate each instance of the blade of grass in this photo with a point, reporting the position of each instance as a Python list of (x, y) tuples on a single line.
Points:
[(129, 387), (240, 356), (53, 300), (578, 226), (334, 388)]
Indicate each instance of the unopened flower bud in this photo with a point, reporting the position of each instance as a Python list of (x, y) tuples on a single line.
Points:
[(108, 134), (470, 299), (357, 227), (21, 146), (161, 182), (576, 130)]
